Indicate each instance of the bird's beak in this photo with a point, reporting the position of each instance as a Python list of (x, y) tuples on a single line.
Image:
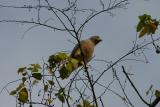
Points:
[(99, 39)]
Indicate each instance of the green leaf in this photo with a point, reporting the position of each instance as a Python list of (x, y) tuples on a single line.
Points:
[(143, 21), (86, 103), (144, 17), (79, 105), (74, 61), (50, 82), (64, 72), (14, 92), (60, 95), (61, 98), (24, 73), (30, 68), (157, 93), (23, 95), (21, 70), (34, 67), (61, 90), (51, 61), (140, 26), (49, 100), (37, 76), (68, 68), (24, 79), (56, 58), (35, 70), (45, 88), (62, 56), (20, 86)]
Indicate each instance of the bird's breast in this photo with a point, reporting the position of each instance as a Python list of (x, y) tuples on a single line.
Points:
[(88, 49)]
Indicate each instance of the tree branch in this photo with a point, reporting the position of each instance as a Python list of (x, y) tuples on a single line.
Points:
[(36, 23), (134, 87), (105, 10), (155, 102), (127, 54)]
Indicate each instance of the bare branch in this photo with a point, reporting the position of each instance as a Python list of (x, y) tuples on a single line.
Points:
[(134, 86), (117, 5), (127, 54), (62, 21), (32, 22)]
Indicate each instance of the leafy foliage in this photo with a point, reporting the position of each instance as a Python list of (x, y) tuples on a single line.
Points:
[(51, 82), (45, 88), (68, 68), (23, 95), (65, 64), (56, 59), (21, 85), (21, 70), (14, 92), (34, 68), (157, 93), (32, 75), (86, 103), (146, 25), (37, 76), (61, 95), (24, 79)]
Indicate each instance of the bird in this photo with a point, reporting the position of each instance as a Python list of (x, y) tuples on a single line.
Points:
[(87, 47), (81, 54)]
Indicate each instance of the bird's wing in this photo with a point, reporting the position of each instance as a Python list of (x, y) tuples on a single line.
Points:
[(75, 52), (87, 49)]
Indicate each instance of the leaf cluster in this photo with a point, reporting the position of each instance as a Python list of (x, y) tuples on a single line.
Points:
[(34, 74), (146, 25), (85, 103), (64, 63), (56, 59), (32, 71), (68, 68)]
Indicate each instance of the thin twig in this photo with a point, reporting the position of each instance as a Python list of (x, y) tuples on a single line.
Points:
[(63, 92), (127, 54), (123, 90), (101, 102), (36, 23), (62, 20), (134, 87), (105, 10)]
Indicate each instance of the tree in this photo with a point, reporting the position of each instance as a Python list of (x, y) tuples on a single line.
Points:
[(78, 88)]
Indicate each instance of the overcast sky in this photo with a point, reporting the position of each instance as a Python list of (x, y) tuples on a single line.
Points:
[(118, 34)]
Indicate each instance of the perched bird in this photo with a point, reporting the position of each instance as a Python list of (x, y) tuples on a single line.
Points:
[(81, 54), (87, 47)]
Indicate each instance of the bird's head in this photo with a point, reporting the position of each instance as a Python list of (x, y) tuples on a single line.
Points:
[(95, 39)]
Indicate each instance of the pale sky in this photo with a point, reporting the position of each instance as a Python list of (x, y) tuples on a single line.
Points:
[(118, 34)]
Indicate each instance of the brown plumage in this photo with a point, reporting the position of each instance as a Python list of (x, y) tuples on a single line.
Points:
[(87, 47)]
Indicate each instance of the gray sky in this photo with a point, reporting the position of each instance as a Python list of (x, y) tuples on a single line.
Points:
[(118, 34)]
